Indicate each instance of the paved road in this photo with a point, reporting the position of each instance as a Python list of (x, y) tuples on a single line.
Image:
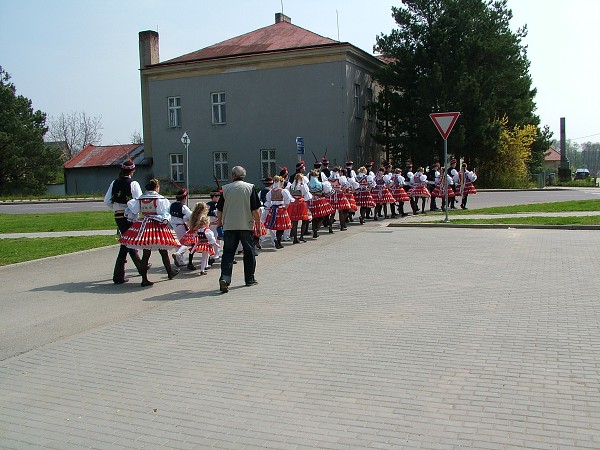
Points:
[(376, 337), (483, 199)]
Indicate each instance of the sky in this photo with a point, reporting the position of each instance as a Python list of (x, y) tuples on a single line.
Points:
[(82, 56)]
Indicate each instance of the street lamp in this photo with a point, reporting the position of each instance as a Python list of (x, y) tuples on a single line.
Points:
[(185, 139)]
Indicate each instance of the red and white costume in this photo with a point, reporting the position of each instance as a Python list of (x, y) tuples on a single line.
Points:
[(464, 183), (362, 194), (298, 209), (337, 198), (154, 230), (276, 204), (419, 187), (397, 188), (381, 194), (440, 188), (318, 204)]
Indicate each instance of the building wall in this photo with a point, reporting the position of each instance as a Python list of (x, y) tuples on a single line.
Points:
[(95, 180), (267, 108)]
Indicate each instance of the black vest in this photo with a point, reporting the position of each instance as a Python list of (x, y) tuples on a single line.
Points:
[(431, 175), (121, 191), (176, 209)]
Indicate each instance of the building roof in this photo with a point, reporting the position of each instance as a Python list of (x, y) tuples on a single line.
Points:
[(106, 155), (282, 35), (552, 155)]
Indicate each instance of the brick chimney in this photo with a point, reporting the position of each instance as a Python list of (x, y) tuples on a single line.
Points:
[(148, 48), (281, 17), (148, 56)]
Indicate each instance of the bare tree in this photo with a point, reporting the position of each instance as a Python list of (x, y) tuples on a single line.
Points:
[(76, 130), (137, 138)]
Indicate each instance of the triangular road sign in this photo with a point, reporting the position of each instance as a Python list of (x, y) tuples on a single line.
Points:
[(444, 122)]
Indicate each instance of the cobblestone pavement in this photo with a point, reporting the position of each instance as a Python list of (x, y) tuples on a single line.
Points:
[(376, 338)]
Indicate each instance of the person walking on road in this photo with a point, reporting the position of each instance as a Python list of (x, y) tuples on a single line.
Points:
[(118, 194), (238, 210), (151, 231)]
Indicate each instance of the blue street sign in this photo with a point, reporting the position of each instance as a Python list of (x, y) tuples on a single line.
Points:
[(300, 145)]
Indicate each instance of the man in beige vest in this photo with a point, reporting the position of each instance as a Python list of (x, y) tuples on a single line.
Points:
[(238, 210)]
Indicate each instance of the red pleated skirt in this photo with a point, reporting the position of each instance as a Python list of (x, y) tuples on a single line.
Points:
[(151, 235), (319, 207)]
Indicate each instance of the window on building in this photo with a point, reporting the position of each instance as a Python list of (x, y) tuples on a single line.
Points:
[(221, 167), (174, 112), (219, 115), (268, 163), (357, 107), (370, 114), (177, 172)]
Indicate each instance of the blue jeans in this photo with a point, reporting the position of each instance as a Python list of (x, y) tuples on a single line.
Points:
[(231, 239)]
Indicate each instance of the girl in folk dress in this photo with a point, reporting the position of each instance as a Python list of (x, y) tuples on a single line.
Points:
[(276, 204), (337, 198), (191, 237), (381, 194), (318, 205), (364, 199), (398, 192), (297, 210), (465, 184), (442, 186), (151, 231), (205, 244), (419, 190)]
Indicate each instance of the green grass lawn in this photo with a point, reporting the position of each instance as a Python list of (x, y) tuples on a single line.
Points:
[(26, 249), (569, 206), (18, 250), (530, 220), (59, 221)]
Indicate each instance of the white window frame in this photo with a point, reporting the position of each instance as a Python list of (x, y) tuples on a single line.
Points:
[(220, 166), (176, 166), (357, 108), (174, 112), (268, 162), (219, 108)]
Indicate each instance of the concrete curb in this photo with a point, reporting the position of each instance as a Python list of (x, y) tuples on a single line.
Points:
[(494, 226)]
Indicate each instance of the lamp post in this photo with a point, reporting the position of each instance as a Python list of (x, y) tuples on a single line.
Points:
[(185, 139)]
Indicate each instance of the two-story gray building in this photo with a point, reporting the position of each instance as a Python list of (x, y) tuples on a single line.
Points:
[(244, 101)]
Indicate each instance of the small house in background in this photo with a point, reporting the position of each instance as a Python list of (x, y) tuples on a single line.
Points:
[(552, 160), (92, 169)]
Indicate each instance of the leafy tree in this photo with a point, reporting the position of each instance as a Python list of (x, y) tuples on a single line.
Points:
[(76, 130), (27, 163), (508, 168), (452, 55)]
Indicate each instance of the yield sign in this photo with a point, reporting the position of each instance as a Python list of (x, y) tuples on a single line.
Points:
[(444, 122)]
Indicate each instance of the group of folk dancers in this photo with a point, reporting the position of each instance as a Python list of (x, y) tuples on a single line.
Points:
[(314, 199), (290, 206)]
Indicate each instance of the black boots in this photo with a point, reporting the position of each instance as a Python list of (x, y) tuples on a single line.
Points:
[(119, 272)]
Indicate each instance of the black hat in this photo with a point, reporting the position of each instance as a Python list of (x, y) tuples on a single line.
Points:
[(215, 193), (324, 161), (300, 165), (128, 165), (369, 164), (268, 181), (349, 163), (317, 164), (181, 194)]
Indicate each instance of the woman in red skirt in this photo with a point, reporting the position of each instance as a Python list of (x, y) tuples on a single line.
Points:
[(153, 231), (276, 203), (298, 210)]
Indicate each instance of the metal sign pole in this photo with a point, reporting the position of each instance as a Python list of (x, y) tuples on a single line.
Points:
[(446, 177)]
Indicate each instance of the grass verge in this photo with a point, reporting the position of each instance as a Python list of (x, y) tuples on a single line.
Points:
[(60, 221), (569, 206), (531, 220), (27, 249)]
